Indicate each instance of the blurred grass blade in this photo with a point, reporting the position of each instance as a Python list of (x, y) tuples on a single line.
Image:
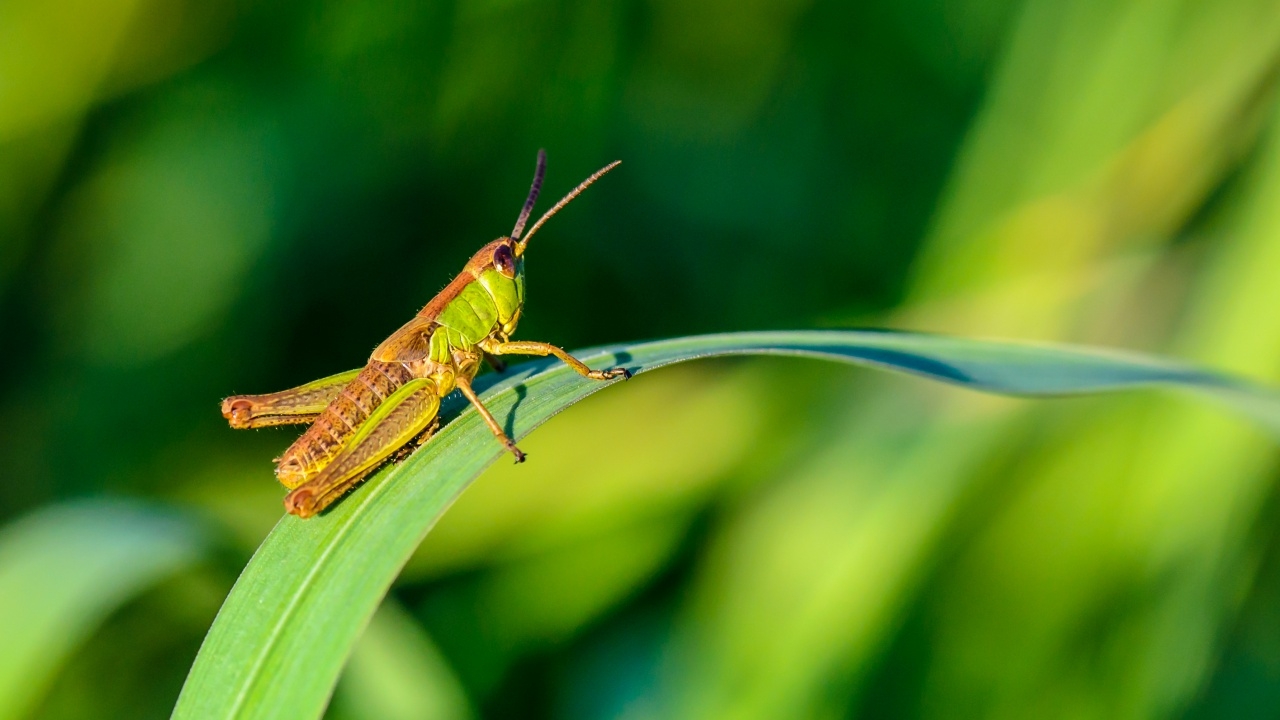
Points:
[(397, 673), (64, 569), (281, 638)]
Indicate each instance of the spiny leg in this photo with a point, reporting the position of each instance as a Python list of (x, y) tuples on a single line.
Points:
[(403, 416), (541, 349), (465, 386), (296, 405)]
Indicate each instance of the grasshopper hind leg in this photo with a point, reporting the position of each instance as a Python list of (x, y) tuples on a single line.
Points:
[(288, 407), (417, 442), (408, 415)]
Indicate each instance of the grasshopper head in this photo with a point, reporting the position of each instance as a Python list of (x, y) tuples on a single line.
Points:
[(518, 240)]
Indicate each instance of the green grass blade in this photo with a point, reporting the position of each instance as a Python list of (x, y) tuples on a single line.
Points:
[(64, 569), (281, 638)]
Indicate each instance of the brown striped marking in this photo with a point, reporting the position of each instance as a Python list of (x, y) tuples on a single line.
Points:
[(325, 438)]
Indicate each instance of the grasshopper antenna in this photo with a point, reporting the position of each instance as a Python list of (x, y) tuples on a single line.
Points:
[(533, 195), (563, 201)]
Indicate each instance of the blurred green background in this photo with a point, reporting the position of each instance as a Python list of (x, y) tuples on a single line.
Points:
[(201, 198)]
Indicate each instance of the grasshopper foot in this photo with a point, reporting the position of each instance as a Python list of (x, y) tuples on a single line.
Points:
[(511, 448), (623, 373)]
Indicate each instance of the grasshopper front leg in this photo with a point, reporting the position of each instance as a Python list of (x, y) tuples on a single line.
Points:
[(541, 349), (298, 405), (464, 385), (405, 415)]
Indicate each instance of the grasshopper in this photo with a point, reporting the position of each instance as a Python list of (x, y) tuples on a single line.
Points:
[(360, 419)]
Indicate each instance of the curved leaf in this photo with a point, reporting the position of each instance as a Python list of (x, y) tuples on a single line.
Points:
[(281, 638)]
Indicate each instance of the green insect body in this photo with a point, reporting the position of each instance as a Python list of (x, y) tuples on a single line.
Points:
[(361, 418), (491, 304)]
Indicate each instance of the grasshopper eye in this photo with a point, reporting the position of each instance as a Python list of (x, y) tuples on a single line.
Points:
[(504, 261)]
